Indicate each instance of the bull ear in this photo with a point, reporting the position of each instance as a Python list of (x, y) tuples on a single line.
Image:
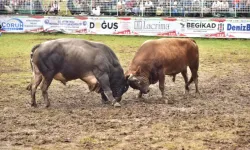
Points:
[(138, 70)]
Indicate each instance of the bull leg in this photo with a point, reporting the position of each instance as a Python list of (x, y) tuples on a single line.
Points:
[(44, 87), (104, 98), (29, 86), (140, 94), (173, 79), (33, 86), (184, 74), (103, 79), (162, 82), (195, 79)]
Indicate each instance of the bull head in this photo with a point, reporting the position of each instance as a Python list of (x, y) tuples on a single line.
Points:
[(131, 78)]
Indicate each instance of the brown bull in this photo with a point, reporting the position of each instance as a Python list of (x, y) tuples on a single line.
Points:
[(165, 56)]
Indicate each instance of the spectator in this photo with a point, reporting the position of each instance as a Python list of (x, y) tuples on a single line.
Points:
[(247, 5), (121, 7), (247, 8), (149, 7), (136, 8), (196, 7), (216, 7), (174, 8), (161, 3), (224, 8), (56, 7), (224, 5), (186, 5), (128, 7), (96, 11), (236, 4)]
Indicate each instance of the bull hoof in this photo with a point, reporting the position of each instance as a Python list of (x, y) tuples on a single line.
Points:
[(33, 105), (116, 104)]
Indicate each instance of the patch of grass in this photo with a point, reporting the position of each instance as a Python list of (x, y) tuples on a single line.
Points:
[(15, 51), (88, 140)]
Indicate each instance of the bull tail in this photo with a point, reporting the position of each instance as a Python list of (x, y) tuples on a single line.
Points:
[(31, 64), (195, 64), (32, 53)]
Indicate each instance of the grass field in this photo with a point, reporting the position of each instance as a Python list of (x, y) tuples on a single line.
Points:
[(216, 119)]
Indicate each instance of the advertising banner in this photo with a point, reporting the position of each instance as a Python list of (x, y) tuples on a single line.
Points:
[(109, 25), (156, 26), (238, 28), (172, 27), (70, 25), (202, 28), (21, 24)]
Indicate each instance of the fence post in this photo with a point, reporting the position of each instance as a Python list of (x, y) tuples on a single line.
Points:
[(202, 8), (235, 14), (91, 3), (170, 8), (66, 7), (142, 8), (116, 7), (31, 6)]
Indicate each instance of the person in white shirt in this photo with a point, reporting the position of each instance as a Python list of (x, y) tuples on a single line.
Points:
[(56, 7), (148, 7), (96, 11), (121, 7), (224, 5), (216, 7)]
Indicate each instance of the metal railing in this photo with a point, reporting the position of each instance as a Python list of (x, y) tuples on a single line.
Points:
[(142, 8)]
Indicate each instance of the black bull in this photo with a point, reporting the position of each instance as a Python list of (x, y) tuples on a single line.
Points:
[(69, 59)]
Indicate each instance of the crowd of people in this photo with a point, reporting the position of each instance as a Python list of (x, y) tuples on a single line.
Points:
[(190, 8), (194, 8), (28, 6)]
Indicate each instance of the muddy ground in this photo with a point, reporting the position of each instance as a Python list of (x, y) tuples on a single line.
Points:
[(216, 119)]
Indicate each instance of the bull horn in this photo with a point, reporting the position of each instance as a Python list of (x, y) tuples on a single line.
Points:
[(130, 76)]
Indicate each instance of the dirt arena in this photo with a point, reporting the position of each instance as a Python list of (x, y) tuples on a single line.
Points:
[(216, 119)]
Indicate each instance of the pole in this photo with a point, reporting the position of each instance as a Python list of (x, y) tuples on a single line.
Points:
[(91, 3), (30, 6), (235, 14), (202, 8), (142, 8), (66, 7), (170, 8), (117, 7)]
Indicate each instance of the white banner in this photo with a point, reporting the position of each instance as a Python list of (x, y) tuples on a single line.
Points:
[(238, 29), (20, 24), (156, 26), (202, 28), (174, 27), (107, 25), (70, 25)]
